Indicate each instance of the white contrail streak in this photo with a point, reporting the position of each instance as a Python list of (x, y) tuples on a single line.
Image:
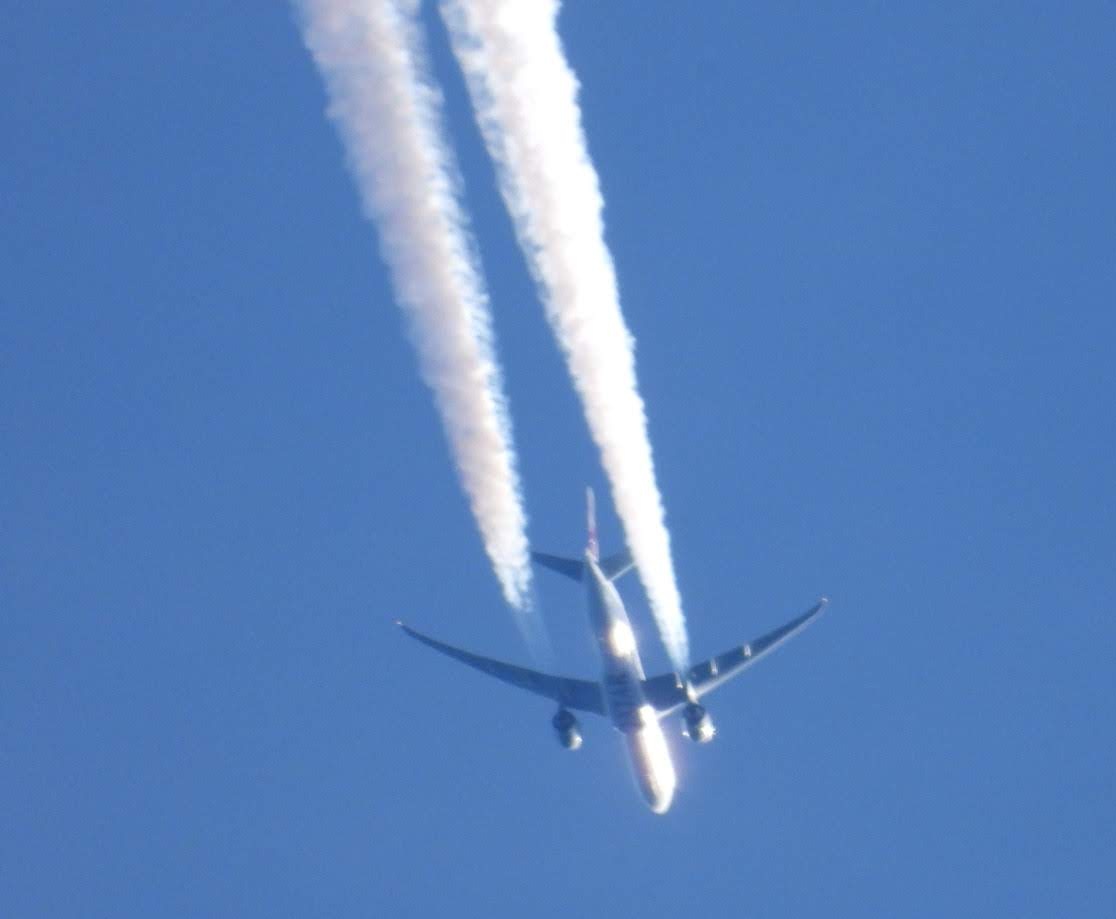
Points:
[(371, 56), (525, 98)]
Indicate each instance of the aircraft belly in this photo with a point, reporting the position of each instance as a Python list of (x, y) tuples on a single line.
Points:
[(623, 698), (652, 767), (648, 753)]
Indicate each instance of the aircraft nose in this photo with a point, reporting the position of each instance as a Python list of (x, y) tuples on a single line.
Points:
[(651, 765), (657, 801)]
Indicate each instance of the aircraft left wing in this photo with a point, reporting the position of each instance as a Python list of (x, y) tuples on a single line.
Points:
[(666, 692), (582, 695)]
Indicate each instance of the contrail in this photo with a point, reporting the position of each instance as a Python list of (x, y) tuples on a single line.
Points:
[(525, 98), (388, 113)]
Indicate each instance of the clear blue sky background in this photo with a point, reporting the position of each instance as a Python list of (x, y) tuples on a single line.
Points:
[(868, 255)]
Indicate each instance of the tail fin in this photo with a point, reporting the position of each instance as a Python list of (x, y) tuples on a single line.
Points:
[(612, 567), (593, 547), (573, 568)]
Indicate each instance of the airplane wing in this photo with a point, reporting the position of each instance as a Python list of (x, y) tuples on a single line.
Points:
[(582, 695), (666, 692)]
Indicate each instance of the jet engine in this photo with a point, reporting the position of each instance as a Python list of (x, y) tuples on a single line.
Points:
[(698, 725), (567, 729)]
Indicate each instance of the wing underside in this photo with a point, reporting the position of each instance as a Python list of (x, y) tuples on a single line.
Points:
[(582, 695), (667, 693)]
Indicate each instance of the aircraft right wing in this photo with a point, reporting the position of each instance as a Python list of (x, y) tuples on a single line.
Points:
[(582, 695), (666, 692)]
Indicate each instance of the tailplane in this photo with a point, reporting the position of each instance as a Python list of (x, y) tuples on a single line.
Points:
[(612, 566), (617, 565), (570, 567)]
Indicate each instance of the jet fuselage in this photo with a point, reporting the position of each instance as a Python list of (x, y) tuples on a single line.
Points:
[(622, 681)]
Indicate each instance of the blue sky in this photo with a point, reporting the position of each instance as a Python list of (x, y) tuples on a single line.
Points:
[(868, 258)]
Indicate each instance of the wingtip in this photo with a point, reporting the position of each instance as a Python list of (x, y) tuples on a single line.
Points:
[(399, 622)]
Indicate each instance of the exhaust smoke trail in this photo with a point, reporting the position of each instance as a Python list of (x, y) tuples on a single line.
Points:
[(371, 57), (525, 98)]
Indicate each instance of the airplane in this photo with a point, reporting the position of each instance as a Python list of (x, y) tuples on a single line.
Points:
[(634, 704)]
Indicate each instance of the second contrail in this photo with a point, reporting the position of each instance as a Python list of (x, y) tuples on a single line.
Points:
[(525, 98)]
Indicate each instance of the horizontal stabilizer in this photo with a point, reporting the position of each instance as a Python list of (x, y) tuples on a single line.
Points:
[(570, 567), (617, 564)]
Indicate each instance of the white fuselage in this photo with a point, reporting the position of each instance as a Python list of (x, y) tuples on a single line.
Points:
[(622, 686)]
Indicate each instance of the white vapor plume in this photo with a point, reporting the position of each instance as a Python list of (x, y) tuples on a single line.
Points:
[(525, 98), (373, 62)]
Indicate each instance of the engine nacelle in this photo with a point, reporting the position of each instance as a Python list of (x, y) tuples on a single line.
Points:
[(567, 729), (698, 725)]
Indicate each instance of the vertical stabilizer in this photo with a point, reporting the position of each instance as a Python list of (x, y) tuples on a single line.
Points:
[(592, 547)]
